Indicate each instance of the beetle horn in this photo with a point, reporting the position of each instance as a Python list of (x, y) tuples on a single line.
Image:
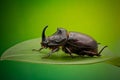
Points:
[(43, 34)]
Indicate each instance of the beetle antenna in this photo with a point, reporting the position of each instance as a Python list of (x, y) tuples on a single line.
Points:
[(102, 49)]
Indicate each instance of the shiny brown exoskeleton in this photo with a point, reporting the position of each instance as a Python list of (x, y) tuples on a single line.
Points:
[(71, 42)]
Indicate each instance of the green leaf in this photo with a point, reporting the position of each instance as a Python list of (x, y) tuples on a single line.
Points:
[(115, 61), (23, 52)]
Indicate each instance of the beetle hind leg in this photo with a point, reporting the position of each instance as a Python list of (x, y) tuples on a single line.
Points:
[(102, 49), (91, 54), (81, 54)]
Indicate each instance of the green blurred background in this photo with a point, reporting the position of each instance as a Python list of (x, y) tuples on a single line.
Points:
[(21, 20)]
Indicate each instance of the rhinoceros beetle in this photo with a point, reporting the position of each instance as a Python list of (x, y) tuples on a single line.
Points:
[(71, 42)]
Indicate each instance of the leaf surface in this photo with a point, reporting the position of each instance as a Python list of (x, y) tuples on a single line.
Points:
[(23, 52)]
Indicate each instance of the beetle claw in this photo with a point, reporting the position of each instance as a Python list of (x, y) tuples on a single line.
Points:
[(45, 57), (71, 56), (35, 50)]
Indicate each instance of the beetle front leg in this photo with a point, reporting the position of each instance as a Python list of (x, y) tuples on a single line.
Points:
[(51, 52), (37, 49), (69, 52)]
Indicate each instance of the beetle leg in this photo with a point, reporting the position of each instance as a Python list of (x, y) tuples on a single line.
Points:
[(69, 52), (91, 53), (37, 49), (81, 53), (102, 49), (52, 51)]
